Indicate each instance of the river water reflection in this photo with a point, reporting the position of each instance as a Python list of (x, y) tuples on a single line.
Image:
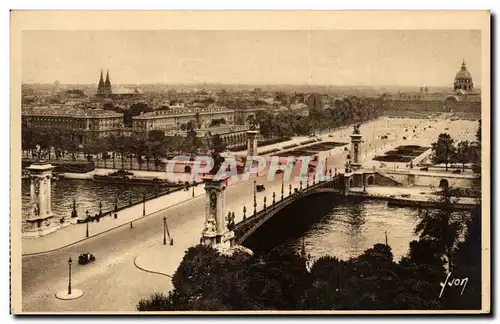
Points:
[(338, 227), (87, 195)]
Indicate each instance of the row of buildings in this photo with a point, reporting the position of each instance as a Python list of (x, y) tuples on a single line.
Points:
[(86, 121), (87, 125)]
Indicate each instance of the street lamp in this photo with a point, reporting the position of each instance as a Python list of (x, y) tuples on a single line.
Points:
[(100, 208), (193, 191), (143, 203), (164, 230), (69, 281), (74, 213), (254, 197), (282, 186), (87, 222)]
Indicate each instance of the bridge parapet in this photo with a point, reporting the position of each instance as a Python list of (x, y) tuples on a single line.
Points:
[(250, 223)]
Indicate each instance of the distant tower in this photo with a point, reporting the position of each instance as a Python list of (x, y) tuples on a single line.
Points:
[(463, 79), (100, 86), (57, 86), (107, 85)]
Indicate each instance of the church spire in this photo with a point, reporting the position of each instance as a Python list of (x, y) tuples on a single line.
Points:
[(107, 78), (100, 86)]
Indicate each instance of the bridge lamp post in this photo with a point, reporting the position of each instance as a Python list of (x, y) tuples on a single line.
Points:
[(274, 197), (290, 189), (282, 187), (244, 213), (264, 202), (254, 197), (100, 209), (116, 205), (193, 192)]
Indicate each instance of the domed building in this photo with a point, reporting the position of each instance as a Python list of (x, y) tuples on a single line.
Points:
[(463, 79)]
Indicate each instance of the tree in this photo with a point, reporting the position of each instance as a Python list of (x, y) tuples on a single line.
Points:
[(198, 119), (464, 152), (217, 144), (476, 151), (443, 226), (156, 136), (443, 149)]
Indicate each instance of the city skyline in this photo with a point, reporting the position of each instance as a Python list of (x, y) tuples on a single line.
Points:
[(366, 57)]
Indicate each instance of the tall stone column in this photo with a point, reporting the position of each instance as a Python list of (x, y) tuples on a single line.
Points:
[(252, 136), (215, 225), (357, 176), (40, 221)]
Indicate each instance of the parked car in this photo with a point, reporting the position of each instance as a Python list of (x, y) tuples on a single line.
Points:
[(405, 195), (424, 169), (85, 258), (456, 171), (392, 196), (260, 188)]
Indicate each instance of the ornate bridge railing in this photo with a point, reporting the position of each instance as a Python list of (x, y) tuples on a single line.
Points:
[(250, 224)]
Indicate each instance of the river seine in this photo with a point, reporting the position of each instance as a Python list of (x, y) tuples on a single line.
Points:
[(87, 195), (337, 226)]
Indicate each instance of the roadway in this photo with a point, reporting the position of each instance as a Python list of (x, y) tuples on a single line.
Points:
[(113, 283)]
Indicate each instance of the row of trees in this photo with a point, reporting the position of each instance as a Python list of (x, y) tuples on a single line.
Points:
[(279, 280), (446, 150), (288, 123), (145, 149)]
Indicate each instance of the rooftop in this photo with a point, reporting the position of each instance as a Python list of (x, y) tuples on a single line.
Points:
[(188, 111), (68, 111)]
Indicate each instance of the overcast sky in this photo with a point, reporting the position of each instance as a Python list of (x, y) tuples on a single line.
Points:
[(336, 57)]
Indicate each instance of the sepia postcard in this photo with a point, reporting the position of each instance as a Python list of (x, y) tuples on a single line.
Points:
[(250, 162)]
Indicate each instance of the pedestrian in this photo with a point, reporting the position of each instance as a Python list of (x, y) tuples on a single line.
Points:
[(116, 215), (131, 226)]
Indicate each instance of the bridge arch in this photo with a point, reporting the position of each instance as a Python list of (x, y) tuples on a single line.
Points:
[(370, 180), (187, 169), (443, 184)]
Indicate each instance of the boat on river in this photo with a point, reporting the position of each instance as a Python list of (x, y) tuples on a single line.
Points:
[(128, 178)]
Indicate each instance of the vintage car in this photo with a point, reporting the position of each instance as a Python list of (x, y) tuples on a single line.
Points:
[(260, 188), (456, 171), (405, 195), (424, 169), (85, 258)]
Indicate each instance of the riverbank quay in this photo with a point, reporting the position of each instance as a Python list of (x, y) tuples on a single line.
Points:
[(416, 197), (76, 233)]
